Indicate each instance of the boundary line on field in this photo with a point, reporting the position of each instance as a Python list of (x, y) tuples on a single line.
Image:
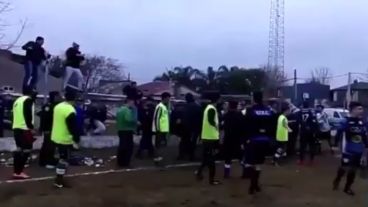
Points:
[(191, 164)]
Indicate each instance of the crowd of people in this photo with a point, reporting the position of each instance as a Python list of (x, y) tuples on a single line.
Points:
[(248, 133)]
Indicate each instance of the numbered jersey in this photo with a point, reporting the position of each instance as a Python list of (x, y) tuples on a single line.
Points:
[(308, 120), (355, 139)]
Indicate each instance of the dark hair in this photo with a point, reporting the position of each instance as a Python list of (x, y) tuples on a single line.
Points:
[(284, 107), (212, 96), (130, 97), (52, 95), (39, 38), (70, 95), (320, 106), (233, 104), (258, 97), (305, 103), (354, 105), (189, 97), (165, 95)]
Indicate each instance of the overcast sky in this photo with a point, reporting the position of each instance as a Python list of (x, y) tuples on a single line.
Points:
[(148, 36)]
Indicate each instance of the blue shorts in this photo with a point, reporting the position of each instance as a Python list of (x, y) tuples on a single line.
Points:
[(351, 159)]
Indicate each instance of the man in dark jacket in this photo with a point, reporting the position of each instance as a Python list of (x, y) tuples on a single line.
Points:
[(145, 117), (73, 75), (233, 123), (46, 117), (35, 54), (191, 128)]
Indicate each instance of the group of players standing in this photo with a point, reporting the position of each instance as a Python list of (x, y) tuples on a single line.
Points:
[(259, 130), (248, 135)]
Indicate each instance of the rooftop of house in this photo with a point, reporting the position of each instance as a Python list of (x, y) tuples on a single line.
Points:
[(154, 87), (354, 86)]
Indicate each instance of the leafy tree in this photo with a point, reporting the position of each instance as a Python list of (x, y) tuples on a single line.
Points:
[(231, 81)]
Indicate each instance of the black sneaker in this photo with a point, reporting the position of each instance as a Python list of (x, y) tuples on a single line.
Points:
[(215, 182), (349, 192), (199, 176), (335, 185)]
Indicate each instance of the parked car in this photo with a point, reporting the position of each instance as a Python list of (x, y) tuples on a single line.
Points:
[(336, 116)]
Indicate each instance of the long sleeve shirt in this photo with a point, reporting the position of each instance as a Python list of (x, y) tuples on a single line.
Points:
[(28, 113), (72, 124), (126, 119)]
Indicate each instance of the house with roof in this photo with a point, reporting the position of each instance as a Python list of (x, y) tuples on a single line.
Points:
[(315, 92), (359, 92), (156, 88)]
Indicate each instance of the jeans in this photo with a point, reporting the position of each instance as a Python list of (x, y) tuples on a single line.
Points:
[(100, 127), (73, 78), (47, 152), (125, 149), (30, 75)]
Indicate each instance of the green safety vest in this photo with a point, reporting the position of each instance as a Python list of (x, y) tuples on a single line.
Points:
[(163, 119), (282, 134), (60, 133), (210, 132), (19, 121)]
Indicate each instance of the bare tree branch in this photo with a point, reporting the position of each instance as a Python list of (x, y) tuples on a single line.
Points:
[(320, 75), (19, 34)]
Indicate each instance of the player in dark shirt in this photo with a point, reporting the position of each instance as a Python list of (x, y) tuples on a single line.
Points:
[(260, 125), (308, 129), (233, 120), (354, 147), (46, 117)]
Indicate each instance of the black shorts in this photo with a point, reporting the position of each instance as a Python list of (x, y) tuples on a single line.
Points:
[(324, 135), (256, 151), (23, 139), (351, 159)]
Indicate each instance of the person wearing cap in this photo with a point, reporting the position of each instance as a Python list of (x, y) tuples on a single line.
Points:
[(126, 123), (35, 55), (46, 158), (210, 137), (161, 125), (23, 128), (73, 76), (64, 134)]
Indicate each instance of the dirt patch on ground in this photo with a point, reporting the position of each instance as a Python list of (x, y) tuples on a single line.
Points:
[(287, 186)]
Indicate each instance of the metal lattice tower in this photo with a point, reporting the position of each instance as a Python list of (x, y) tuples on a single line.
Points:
[(276, 35)]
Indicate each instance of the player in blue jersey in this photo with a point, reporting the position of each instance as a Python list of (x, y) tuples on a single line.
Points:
[(354, 148)]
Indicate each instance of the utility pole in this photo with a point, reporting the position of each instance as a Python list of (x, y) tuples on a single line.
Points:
[(348, 91), (295, 88)]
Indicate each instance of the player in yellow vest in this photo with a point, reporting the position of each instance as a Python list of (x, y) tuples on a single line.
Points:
[(64, 134), (282, 133), (161, 125), (23, 128), (210, 137)]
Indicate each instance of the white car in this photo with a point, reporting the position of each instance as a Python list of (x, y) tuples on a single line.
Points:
[(336, 116)]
